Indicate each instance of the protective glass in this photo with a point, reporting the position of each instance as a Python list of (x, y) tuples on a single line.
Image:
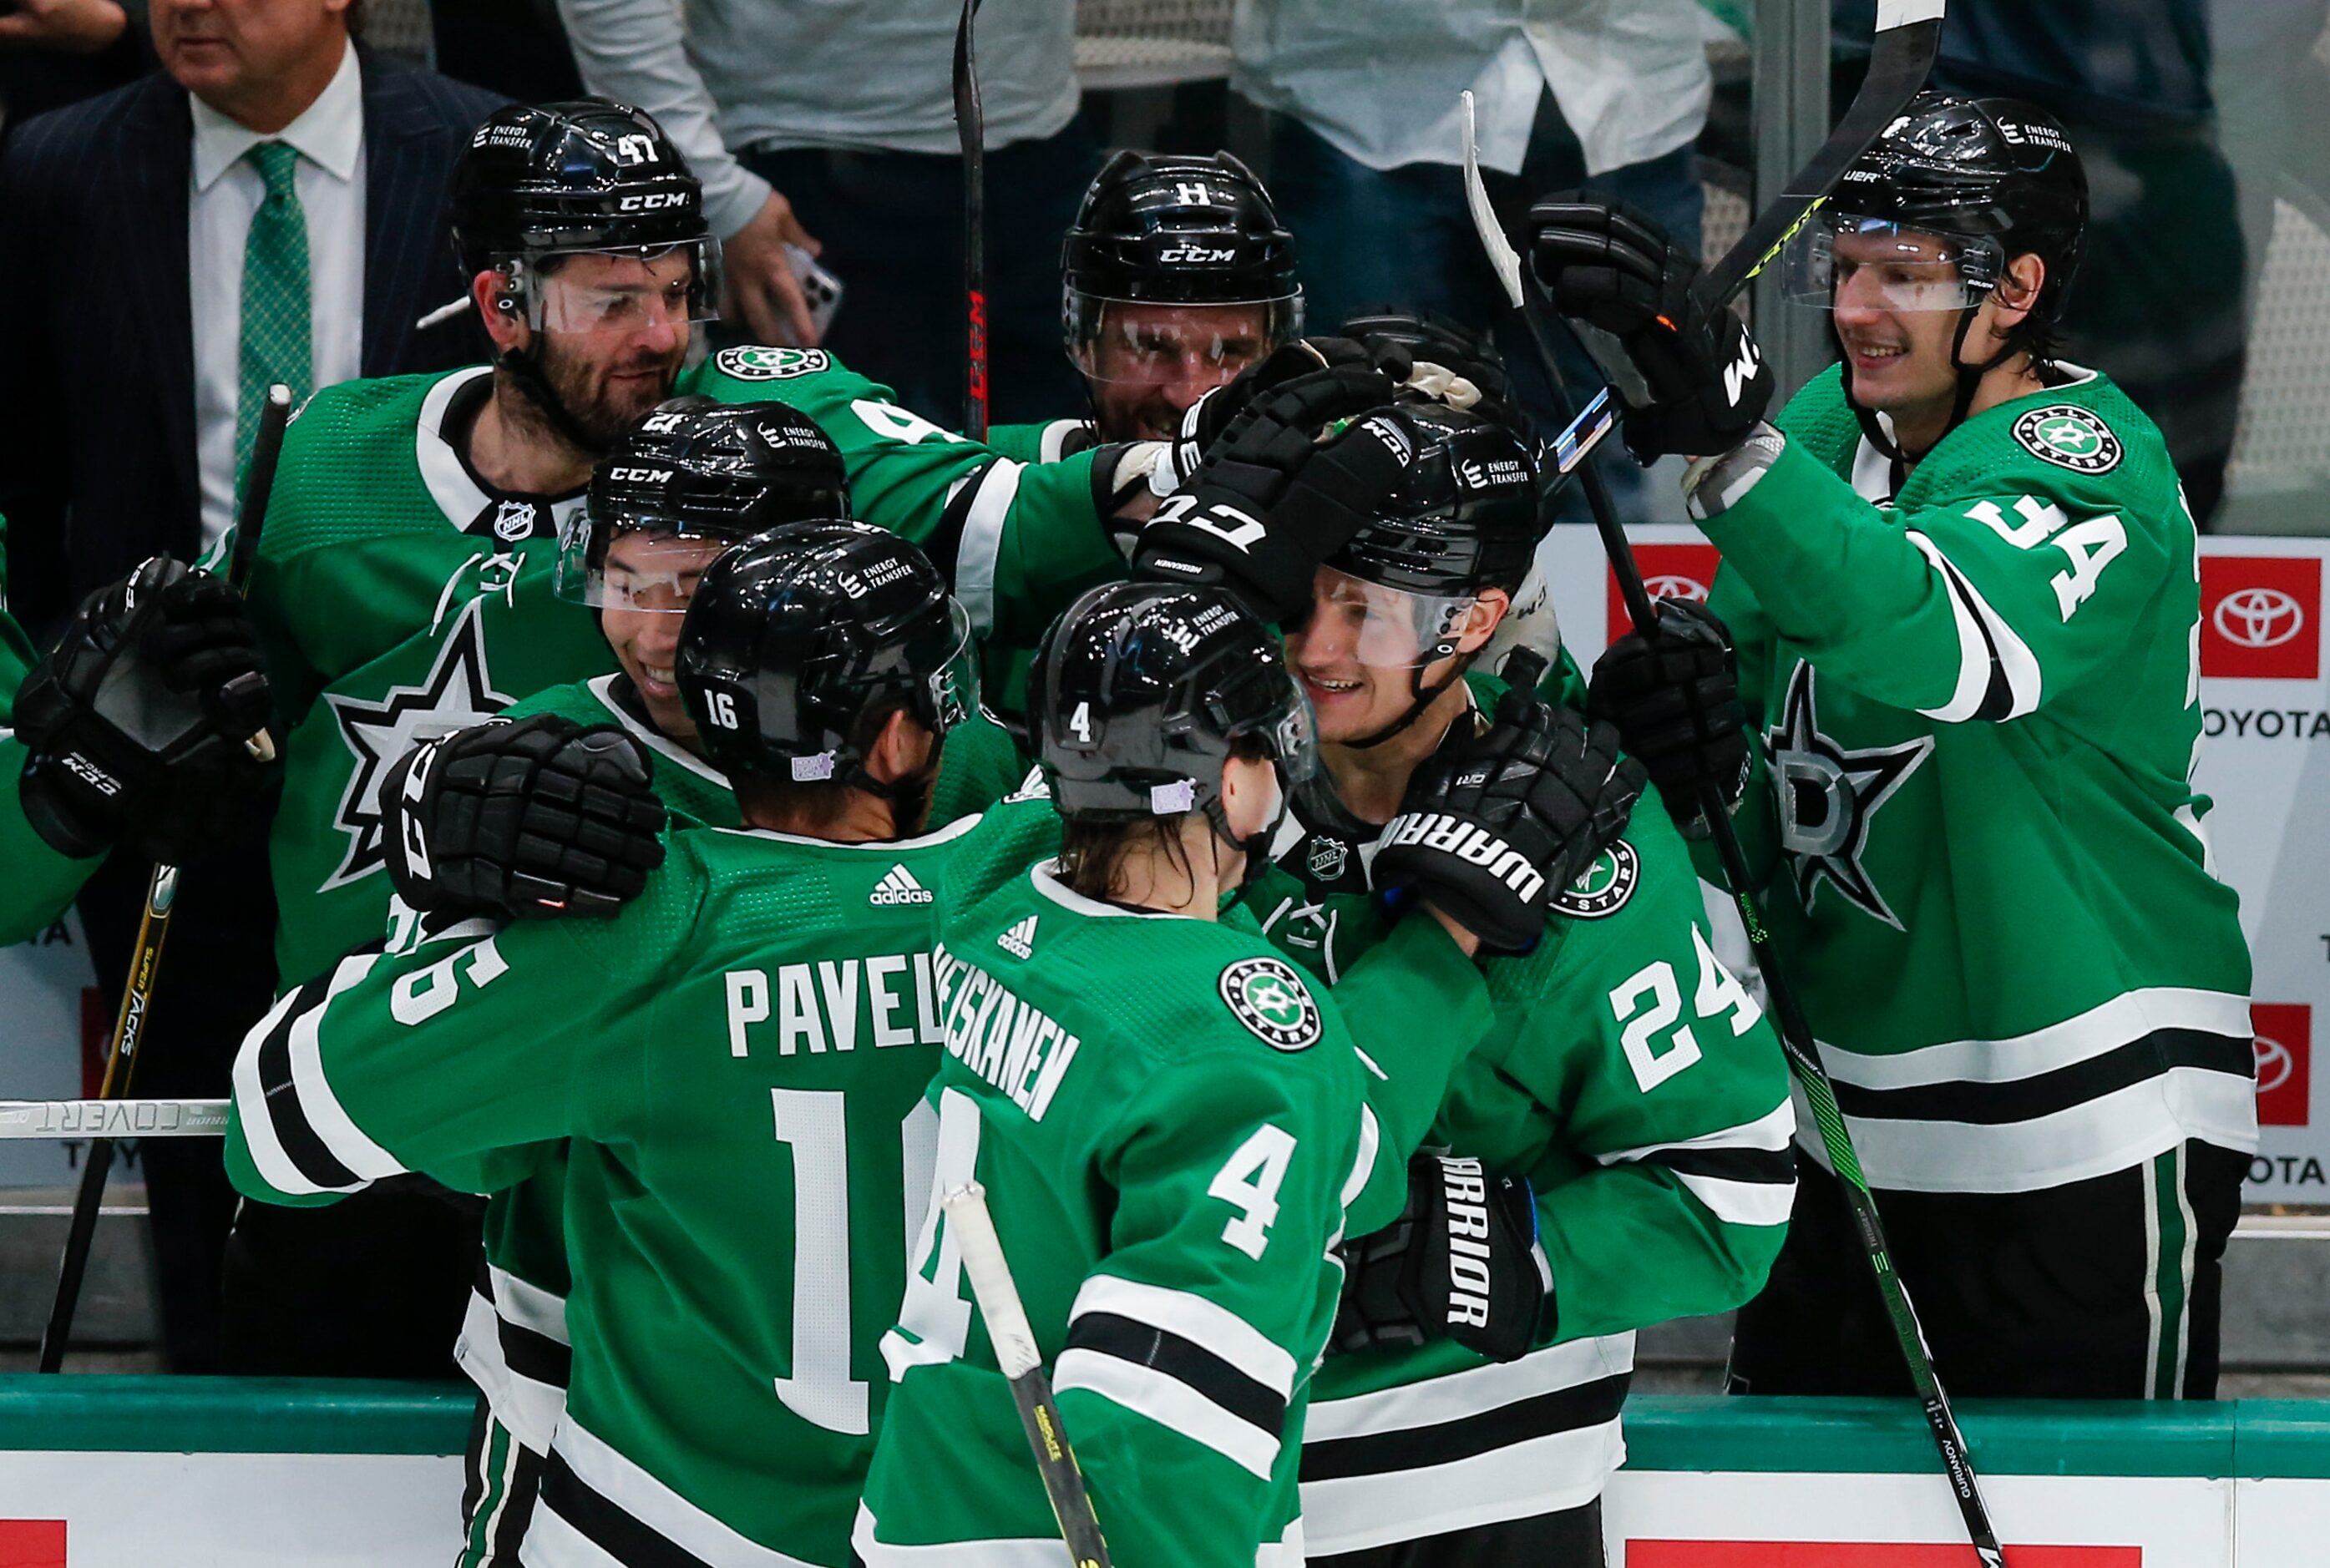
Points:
[(614, 291), (640, 564), (1383, 627), (1148, 343), (1876, 264), (954, 685)]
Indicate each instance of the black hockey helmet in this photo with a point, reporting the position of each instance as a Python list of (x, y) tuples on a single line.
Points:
[(1433, 338), (1140, 691), (797, 636), (696, 471), (583, 174)]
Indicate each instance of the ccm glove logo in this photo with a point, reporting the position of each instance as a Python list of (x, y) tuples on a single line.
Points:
[(1242, 530), (1472, 843)]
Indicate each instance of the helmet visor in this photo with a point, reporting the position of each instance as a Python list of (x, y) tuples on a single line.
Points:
[(1876, 264), (647, 564), (1385, 627), (954, 685), (1141, 342), (619, 290)]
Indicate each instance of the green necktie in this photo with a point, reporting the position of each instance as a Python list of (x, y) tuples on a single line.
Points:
[(275, 300)]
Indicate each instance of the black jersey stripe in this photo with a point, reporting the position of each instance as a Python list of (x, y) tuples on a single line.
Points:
[(1776, 1167), (302, 1145), (517, 1507), (606, 1524), (1573, 1409), (2045, 1093), (536, 1357), (1998, 696), (943, 543), (1183, 1360)]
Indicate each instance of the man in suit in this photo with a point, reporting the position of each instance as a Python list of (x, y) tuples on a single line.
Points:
[(269, 206)]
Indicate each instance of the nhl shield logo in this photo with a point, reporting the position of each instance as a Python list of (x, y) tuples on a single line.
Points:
[(1270, 999), (1327, 858), (2069, 437), (513, 521), (762, 363), (1607, 885)]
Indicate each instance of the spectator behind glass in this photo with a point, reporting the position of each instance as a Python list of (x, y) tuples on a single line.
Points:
[(269, 205), (2158, 308), (837, 121), (1366, 155)]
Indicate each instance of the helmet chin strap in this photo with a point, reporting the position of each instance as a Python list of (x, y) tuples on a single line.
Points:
[(1422, 697), (1969, 381)]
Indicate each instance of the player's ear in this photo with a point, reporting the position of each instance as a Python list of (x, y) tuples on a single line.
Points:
[(500, 308), (2017, 291), (902, 748), (1481, 622)]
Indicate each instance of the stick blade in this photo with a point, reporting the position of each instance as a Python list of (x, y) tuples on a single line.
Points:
[(1504, 259), (990, 1280)]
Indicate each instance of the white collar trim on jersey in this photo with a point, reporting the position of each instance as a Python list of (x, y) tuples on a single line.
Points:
[(1872, 470), (449, 482), (1045, 880), (655, 739), (955, 829)]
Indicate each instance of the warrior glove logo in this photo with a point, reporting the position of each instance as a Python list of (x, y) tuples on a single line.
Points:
[(1270, 999), (1465, 1190), (1472, 843)]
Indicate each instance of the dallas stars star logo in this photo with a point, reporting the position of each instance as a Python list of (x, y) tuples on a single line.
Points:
[(1828, 797), (457, 693)]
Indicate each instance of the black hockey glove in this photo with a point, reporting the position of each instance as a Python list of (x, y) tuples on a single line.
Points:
[(1694, 380), (1674, 697), (1209, 418), (1461, 1263), (532, 816), (1271, 501), (135, 724), (1453, 364), (1495, 825)]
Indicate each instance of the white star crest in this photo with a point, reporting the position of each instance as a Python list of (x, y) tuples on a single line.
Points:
[(1828, 797), (459, 693)]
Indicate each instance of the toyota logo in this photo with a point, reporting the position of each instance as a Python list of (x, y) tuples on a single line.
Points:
[(1674, 585), (2259, 618), (2273, 1064)]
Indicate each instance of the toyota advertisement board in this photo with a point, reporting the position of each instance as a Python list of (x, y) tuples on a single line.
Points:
[(2264, 760)]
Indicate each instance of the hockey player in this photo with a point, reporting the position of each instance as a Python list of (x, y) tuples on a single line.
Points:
[(1962, 586), (740, 1075), (1627, 1076), (1169, 1121), (129, 733), (500, 836)]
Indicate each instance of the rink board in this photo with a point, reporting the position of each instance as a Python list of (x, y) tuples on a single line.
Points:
[(128, 1472)]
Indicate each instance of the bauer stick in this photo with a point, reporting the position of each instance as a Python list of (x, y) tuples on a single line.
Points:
[(1905, 52), (154, 924), (970, 130), (1031, 1390)]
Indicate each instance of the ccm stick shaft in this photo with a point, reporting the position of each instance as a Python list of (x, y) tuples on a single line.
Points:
[(137, 1009), (1883, 92), (970, 131), (973, 1229)]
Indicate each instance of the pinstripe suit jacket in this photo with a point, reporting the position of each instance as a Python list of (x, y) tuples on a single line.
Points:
[(97, 400)]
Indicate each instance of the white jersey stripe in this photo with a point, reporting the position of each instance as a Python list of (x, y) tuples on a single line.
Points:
[(2095, 1137), (1475, 1392), (1987, 647), (1207, 1325), (552, 1543), (333, 1126), (623, 1483), (1741, 1203), (1540, 1475), (1771, 1130), (2131, 1015), (1169, 1402), (1370, 1143), (275, 1167), (979, 554), (1048, 1552), (530, 1307)]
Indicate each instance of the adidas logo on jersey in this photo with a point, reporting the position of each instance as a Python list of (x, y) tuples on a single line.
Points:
[(1020, 940), (900, 887)]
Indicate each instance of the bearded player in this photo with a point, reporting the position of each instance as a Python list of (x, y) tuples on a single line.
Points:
[(1962, 586)]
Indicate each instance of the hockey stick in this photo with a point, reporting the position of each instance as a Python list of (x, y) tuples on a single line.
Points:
[(1796, 1033), (1015, 1352), (154, 924), (1900, 55), (113, 1118), (970, 130)]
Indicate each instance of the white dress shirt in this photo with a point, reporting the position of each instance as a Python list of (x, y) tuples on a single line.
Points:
[(721, 76), (226, 193), (1378, 79)]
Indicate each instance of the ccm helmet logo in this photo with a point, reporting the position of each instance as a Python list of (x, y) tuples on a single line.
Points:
[(636, 475), (2259, 618), (653, 202), (1202, 254)]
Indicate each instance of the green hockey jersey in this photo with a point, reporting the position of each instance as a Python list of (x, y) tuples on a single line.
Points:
[(741, 1080), (1633, 1081), (514, 1341), (1169, 1124), (40, 881), (1979, 702), (399, 596)]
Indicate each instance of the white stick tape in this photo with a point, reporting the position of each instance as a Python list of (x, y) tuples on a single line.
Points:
[(973, 1230)]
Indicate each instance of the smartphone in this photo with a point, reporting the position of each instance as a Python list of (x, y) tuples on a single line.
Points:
[(822, 287)]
